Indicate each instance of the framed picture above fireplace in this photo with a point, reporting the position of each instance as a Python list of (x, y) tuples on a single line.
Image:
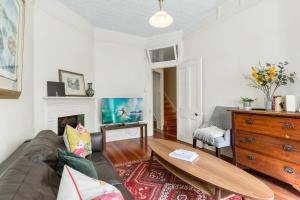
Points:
[(74, 83)]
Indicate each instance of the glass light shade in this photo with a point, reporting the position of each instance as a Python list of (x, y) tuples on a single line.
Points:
[(161, 19)]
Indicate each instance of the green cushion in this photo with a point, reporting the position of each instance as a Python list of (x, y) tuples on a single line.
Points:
[(76, 162)]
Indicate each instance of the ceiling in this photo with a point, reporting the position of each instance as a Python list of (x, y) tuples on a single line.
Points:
[(132, 16)]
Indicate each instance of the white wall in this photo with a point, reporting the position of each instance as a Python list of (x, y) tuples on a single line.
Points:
[(114, 62), (268, 31), (16, 119), (120, 71), (63, 40), (229, 45)]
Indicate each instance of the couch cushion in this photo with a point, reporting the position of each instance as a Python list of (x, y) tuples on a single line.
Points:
[(29, 180), (97, 142), (105, 169), (107, 173), (19, 152), (75, 185), (78, 140), (78, 163), (44, 148)]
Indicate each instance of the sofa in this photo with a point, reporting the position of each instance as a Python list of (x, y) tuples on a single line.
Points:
[(29, 173)]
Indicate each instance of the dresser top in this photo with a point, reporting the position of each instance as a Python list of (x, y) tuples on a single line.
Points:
[(270, 113)]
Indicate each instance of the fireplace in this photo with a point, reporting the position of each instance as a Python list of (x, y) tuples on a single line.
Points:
[(61, 107), (69, 120)]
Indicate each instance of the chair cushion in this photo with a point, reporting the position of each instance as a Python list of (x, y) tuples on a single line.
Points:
[(225, 141), (207, 135)]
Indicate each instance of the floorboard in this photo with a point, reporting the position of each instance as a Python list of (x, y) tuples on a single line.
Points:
[(132, 150)]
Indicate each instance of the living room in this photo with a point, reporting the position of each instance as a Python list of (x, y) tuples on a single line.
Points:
[(111, 44)]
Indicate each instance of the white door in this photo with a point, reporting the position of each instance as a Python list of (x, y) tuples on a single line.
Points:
[(190, 113)]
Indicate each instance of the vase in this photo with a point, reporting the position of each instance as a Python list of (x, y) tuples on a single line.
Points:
[(268, 103), (247, 105), (90, 91)]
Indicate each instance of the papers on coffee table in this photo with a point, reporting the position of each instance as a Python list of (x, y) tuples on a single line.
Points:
[(182, 154)]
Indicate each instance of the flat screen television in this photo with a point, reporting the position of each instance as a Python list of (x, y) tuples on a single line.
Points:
[(121, 110)]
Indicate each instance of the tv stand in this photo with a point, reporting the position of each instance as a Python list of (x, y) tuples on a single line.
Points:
[(141, 125)]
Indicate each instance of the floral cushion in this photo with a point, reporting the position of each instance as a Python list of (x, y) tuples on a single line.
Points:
[(75, 185), (78, 140)]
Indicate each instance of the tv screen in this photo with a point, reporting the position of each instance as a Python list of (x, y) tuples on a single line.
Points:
[(121, 110)]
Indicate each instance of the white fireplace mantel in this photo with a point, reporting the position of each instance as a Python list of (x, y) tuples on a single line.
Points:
[(57, 107), (69, 98)]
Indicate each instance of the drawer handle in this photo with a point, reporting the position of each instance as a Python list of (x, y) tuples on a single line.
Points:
[(289, 170), (250, 157), (288, 126), (249, 121), (288, 148), (249, 140)]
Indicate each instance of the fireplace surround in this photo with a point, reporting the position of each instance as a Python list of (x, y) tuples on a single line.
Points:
[(62, 107)]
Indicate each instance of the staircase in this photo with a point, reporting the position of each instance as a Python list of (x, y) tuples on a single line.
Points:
[(170, 118)]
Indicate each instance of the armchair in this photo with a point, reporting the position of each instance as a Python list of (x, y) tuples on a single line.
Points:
[(221, 119)]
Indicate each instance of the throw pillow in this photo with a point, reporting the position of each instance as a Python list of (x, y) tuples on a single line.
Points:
[(81, 164), (75, 185), (78, 140)]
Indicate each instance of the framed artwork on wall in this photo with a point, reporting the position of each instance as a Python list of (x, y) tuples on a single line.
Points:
[(74, 83), (12, 19)]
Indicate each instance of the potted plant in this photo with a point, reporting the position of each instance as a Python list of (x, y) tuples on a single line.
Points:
[(247, 103), (268, 78)]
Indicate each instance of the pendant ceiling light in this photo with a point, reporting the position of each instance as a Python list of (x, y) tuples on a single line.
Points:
[(161, 19)]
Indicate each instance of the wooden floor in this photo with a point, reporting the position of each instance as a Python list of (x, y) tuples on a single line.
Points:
[(126, 151)]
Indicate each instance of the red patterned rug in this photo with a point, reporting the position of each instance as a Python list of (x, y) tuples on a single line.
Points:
[(158, 184)]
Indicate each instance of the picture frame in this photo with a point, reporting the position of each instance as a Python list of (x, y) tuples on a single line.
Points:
[(55, 89), (74, 83), (12, 23)]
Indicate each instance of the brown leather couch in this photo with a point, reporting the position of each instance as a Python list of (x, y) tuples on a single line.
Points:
[(29, 173)]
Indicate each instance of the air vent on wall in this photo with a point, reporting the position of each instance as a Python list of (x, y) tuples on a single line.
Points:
[(163, 56)]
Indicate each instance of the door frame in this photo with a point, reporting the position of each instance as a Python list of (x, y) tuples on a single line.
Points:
[(161, 73), (150, 93)]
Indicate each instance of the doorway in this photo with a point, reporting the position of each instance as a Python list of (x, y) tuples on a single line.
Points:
[(165, 102)]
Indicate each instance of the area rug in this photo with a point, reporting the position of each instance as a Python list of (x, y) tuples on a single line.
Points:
[(158, 184)]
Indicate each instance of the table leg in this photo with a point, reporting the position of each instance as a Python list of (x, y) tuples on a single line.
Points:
[(151, 160), (146, 135), (141, 133), (217, 193)]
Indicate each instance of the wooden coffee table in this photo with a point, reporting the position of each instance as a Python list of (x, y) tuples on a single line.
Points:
[(209, 174)]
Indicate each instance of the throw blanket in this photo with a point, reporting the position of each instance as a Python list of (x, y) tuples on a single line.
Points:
[(207, 135)]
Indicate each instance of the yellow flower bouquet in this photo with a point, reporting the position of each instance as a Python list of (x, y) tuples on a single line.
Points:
[(269, 77)]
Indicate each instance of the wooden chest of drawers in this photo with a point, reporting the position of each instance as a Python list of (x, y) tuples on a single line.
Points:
[(268, 142)]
